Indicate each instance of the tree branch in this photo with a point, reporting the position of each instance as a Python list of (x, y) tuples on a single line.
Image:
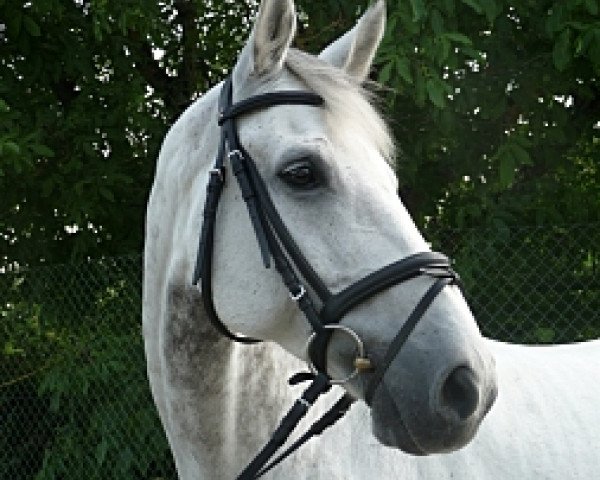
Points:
[(150, 69), (186, 17)]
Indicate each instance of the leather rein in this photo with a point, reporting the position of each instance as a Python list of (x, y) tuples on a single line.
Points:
[(277, 244)]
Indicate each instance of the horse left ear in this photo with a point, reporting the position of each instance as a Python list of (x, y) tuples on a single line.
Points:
[(354, 51), (269, 42)]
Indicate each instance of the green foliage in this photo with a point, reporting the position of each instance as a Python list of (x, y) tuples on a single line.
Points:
[(529, 284), (85, 100), (494, 106), (120, 436), (495, 109), (72, 376)]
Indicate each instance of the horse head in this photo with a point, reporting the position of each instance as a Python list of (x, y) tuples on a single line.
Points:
[(324, 167)]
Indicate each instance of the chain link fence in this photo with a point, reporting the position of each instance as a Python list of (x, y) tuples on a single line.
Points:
[(74, 398)]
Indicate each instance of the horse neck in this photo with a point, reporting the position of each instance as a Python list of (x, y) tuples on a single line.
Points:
[(224, 399), (253, 396)]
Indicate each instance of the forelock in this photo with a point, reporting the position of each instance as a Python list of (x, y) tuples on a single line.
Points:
[(349, 105)]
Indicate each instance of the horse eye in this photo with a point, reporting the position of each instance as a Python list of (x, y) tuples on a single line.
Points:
[(300, 174)]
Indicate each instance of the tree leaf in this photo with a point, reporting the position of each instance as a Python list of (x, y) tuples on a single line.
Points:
[(418, 9), (14, 22), (458, 38), (442, 51), (561, 54), (435, 92), (437, 22), (490, 8), (506, 167), (521, 155), (403, 68), (385, 73), (592, 6), (101, 451), (42, 150), (32, 28), (555, 20), (107, 194), (12, 148), (420, 89), (474, 4), (449, 7)]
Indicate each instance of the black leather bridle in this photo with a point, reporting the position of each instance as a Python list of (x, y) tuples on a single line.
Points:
[(276, 243)]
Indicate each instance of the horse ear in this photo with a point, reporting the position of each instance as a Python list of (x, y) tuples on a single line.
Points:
[(273, 32), (354, 51)]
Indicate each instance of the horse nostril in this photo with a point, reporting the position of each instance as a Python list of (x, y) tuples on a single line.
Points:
[(459, 392)]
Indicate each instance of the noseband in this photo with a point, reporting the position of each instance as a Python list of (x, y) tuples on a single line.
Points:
[(303, 283)]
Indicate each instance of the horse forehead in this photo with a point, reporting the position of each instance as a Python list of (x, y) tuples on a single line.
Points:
[(275, 131), (278, 133), (282, 121), (272, 131), (292, 126)]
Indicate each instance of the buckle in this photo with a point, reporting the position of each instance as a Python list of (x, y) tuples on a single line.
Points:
[(439, 272), (297, 296), (235, 152), (217, 172), (443, 272)]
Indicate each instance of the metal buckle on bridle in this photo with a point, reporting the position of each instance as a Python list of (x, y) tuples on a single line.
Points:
[(297, 296), (361, 361), (440, 272), (235, 152), (218, 172)]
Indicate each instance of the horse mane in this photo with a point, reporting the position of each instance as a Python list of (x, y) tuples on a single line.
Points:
[(350, 106)]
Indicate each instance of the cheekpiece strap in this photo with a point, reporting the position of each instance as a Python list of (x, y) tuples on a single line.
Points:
[(244, 170)]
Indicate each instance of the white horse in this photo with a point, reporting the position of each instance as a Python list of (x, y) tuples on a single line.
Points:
[(326, 170)]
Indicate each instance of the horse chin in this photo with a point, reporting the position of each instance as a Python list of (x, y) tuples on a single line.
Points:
[(389, 428), (392, 430)]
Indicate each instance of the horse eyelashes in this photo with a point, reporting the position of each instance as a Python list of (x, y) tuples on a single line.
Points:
[(301, 174)]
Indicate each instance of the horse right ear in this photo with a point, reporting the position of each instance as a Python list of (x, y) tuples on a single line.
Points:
[(354, 51), (269, 42)]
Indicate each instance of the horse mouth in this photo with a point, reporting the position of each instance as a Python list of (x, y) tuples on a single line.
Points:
[(388, 426), (418, 433)]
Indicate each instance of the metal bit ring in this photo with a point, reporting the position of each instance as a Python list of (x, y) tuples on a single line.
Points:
[(360, 352)]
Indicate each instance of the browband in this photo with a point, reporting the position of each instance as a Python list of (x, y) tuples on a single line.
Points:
[(287, 97)]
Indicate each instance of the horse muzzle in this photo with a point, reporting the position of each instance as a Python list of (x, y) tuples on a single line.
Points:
[(443, 416)]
